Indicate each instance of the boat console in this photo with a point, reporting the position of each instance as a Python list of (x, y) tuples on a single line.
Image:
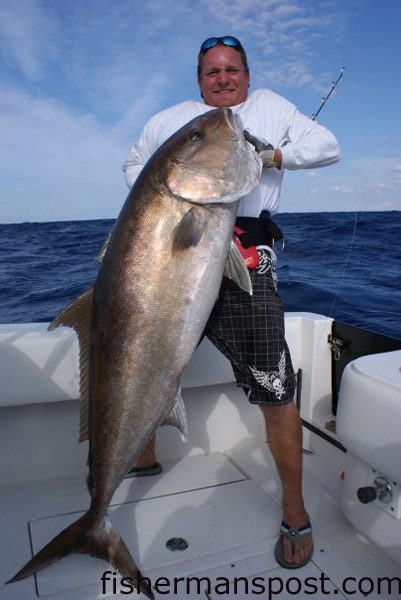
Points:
[(369, 425)]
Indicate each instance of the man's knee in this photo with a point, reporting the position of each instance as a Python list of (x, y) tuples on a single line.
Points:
[(279, 413)]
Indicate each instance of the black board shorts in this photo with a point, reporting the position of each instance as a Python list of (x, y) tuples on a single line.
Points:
[(249, 331)]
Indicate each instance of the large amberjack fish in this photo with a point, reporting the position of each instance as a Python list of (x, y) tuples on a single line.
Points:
[(140, 323)]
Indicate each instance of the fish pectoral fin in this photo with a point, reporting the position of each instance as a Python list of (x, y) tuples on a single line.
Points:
[(237, 270), (189, 230), (75, 314), (177, 417), (78, 315)]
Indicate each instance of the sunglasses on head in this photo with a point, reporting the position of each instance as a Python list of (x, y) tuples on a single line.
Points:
[(226, 40)]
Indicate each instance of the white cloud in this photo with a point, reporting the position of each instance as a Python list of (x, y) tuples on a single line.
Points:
[(360, 184), (283, 33), (81, 78), (385, 137), (373, 166), (56, 163), (304, 23), (105, 51), (27, 36)]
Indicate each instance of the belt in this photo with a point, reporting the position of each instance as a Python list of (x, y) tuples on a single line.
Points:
[(258, 231)]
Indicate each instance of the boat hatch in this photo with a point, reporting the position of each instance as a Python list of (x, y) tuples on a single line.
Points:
[(348, 343)]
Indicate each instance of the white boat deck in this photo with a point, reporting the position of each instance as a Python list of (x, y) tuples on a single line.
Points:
[(225, 505), (220, 492)]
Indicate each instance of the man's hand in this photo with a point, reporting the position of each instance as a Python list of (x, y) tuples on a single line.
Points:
[(271, 157)]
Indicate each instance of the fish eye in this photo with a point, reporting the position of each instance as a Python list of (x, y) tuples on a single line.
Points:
[(195, 135)]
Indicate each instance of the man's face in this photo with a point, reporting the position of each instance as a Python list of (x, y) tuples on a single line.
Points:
[(224, 80)]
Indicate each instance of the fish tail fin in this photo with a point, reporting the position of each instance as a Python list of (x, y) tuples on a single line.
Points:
[(88, 537)]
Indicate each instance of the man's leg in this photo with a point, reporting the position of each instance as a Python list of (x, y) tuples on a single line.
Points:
[(148, 456), (284, 437), (146, 464)]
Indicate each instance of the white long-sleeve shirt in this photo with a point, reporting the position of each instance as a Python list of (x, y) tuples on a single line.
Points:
[(304, 143)]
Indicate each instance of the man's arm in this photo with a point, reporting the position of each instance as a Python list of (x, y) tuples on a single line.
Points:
[(132, 166), (298, 141), (269, 156), (309, 145), (139, 155), (156, 131)]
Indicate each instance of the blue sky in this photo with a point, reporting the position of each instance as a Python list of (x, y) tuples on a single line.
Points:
[(80, 78)]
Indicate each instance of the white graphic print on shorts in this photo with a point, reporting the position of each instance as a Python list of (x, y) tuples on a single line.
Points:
[(273, 381), (267, 262)]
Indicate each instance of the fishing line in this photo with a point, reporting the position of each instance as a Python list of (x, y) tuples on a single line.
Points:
[(314, 117), (345, 268)]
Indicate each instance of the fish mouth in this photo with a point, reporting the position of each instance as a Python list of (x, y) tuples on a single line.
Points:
[(235, 124)]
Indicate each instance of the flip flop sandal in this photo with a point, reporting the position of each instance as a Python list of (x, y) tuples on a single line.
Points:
[(293, 534), (145, 471)]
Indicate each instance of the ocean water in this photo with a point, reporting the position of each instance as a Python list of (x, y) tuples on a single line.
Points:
[(344, 265)]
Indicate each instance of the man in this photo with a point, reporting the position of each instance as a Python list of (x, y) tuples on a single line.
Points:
[(258, 353)]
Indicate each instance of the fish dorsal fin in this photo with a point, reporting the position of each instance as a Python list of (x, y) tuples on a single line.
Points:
[(237, 270), (177, 417), (78, 315), (189, 230)]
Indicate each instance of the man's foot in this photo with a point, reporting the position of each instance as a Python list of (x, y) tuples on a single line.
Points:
[(154, 469), (294, 547)]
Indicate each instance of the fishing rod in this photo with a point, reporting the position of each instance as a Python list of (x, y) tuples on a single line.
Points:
[(260, 145), (325, 98)]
